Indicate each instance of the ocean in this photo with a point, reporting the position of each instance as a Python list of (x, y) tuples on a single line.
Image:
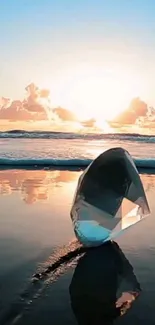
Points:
[(70, 149), (38, 177)]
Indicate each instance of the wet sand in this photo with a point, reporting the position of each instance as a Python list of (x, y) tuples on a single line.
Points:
[(35, 223)]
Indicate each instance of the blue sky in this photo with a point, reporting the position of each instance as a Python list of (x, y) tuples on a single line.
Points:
[(47, 41)]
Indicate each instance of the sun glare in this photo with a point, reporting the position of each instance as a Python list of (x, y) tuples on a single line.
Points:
[(95, 92)]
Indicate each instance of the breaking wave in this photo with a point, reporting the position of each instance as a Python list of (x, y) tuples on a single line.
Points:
[(51, 162), (15, 134)]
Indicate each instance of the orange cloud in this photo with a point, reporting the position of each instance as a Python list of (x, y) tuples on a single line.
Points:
[(89, 123), (35, 107), (17, 112), (65, 114), (136, 109)]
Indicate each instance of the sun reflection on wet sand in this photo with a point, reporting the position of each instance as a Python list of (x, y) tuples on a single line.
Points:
[(35, 212), (41, 185), (36, 185), (35, 204)]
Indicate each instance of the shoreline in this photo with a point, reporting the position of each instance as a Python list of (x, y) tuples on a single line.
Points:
[(147, 171)]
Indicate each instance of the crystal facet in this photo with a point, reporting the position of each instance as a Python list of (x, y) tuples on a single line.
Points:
[(109, 198)]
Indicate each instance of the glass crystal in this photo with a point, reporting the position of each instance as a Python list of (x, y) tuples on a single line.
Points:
[(109, 198)]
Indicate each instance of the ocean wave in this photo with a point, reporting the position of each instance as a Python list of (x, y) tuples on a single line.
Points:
[(51, 162), (19, 134)]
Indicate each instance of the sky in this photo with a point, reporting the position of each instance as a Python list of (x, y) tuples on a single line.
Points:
[(90, 54)]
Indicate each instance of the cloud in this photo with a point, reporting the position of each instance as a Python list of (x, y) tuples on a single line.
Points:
[(5, 102), (17, 112), (136, 109), (44, 93), (28, 109), (65, 114), (33, 102), (89, 123), (35, 107)]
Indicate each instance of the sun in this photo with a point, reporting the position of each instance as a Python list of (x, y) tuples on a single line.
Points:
[(101, 96), (95, 92)]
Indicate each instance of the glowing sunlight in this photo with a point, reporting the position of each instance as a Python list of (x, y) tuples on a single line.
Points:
[(94, 92)]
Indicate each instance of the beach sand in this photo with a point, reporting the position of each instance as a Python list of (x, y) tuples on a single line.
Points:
[(34, 223)]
